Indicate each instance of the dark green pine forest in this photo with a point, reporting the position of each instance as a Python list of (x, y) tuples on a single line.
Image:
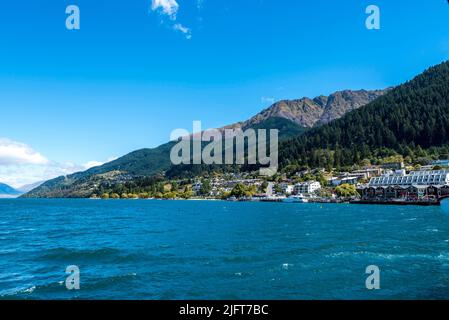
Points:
[(412, 120)]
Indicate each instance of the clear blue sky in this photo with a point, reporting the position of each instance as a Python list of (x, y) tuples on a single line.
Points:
[(127, 78)]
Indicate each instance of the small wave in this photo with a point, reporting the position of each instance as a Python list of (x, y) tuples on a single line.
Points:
[(389, 256), (34, 289), (7, 251), (29, 290), (106, 282), (14, 231), (101, 254), (17, 292), (286, 266), (55, 287)]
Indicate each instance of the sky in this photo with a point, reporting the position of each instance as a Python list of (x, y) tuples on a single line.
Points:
[(138, 69)]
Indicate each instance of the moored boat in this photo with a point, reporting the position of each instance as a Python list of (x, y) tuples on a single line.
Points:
[(296, 199)]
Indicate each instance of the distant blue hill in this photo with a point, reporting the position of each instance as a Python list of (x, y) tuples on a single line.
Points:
[(6, 190)]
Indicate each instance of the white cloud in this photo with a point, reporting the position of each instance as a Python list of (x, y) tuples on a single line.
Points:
[(21, 165), (92, 164), (186, 31), (13, 153), (19, 175), (168, 7)]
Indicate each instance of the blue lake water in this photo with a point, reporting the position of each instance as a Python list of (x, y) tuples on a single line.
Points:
[(146, 249)]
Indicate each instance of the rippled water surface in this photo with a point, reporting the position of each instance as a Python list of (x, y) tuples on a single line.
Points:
[(147, 249)]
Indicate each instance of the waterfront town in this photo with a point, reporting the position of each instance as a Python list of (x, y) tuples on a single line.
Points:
[(388, 183)]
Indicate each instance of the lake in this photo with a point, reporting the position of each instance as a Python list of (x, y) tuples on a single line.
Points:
[(148, 249)]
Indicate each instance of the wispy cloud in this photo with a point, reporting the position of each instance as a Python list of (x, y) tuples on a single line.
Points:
[(186, 31), (170, 8)]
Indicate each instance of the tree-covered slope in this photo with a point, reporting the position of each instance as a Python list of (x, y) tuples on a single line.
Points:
[(144, 162), (411, 117)]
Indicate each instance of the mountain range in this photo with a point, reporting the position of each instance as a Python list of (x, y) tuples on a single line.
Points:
[(291, 117), (340, 129), (309, 113), (7, 191)]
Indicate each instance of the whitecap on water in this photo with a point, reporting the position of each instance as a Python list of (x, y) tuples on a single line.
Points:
[(286, 266), (29, 290)]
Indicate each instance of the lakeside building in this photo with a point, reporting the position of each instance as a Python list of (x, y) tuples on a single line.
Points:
[(435, 177), (286, 188), (335, 182), (306, 187), (366, 173), (413, 186)]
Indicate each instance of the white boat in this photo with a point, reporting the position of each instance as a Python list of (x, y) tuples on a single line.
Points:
[(296, 199)]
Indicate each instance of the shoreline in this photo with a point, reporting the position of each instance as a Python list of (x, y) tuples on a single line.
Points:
[(311, 201)]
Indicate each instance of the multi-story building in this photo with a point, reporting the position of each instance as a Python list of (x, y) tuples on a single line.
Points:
[(415, 185), (438, 177), (308, 187)]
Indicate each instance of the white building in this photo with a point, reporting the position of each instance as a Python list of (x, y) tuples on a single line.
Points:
[(286, 188), (306, 187), (335, 182), (423, 178)]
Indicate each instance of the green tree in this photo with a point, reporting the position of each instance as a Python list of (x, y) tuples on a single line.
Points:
[(346, 190), (206, 187), (239, 190)]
